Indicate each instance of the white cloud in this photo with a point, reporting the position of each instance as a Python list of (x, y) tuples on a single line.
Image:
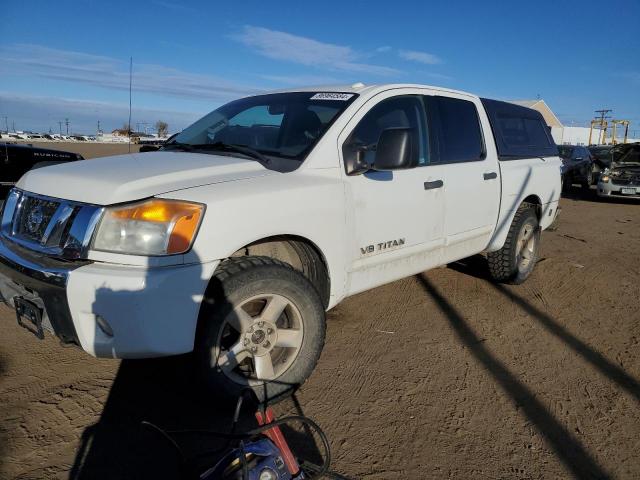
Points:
[(38, 113), (307, 51), (113, 73), (420, 57), (383, 49)]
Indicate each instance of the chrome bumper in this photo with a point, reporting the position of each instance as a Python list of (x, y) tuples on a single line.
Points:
[(42, 281)]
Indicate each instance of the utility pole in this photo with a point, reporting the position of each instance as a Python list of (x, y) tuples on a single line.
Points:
[(6, 124), (60, 125), (603, 112), (66, 122), (98, 127), (601, 122)]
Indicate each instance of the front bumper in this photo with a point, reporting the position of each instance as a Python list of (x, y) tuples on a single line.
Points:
[(609, 189), (42, 282), (150, 312)]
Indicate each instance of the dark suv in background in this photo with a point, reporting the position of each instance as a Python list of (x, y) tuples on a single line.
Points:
[(17, 159), (577, 166)]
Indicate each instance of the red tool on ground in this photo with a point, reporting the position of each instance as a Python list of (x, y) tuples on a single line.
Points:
[(276, 436)]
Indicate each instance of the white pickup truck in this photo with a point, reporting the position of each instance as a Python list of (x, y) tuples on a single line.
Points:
[(235, 238)]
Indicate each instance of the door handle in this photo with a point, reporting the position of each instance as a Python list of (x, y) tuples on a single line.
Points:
[(434, 184), (490, 175)]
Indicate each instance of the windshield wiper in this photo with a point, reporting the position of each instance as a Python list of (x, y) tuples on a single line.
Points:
[(230, 147), (178, 146)]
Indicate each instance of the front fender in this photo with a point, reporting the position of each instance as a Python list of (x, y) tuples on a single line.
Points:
[(305, 203)]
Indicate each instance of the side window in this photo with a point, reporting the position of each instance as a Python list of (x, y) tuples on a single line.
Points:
[(396, 112), (454, 130)]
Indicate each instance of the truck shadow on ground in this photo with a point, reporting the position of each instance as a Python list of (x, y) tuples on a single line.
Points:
[(162, 392), (566, 446), (476, 266), (3, 433)]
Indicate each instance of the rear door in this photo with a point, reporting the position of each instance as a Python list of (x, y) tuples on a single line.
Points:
[(463, 152)]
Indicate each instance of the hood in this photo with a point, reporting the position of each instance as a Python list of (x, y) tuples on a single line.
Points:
[(626, 154), (124, 178)]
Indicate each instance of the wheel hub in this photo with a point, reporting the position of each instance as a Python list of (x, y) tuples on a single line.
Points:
[(526, 246), (260, 337), (262, 340)]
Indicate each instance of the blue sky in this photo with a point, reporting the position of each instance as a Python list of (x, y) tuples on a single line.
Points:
[(63, 59)]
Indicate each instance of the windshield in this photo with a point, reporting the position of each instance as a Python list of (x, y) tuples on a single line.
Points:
[(565, 152), (285, 125)]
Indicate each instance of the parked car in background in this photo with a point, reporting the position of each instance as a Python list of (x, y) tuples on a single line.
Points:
[(622, 177), (577, 166), (17, 159)]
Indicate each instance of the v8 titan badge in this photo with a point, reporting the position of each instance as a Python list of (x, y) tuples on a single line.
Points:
[(382, 246)]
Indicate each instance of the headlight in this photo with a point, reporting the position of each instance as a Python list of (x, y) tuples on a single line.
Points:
[(152, 227), (604, 178)]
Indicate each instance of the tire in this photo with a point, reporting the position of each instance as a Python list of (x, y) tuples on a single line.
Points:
[(250, 303), (587, 182), (515, 261)]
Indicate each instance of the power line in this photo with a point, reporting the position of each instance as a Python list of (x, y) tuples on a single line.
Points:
[(603, 114)]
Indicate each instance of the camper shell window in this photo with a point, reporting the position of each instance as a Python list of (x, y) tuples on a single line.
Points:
[(520, 132)]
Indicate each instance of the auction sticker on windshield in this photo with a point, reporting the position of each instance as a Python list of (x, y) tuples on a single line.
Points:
[(332, 96)]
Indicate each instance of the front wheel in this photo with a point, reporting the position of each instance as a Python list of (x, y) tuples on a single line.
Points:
[(262, 327), (514, 262), (588, 181)]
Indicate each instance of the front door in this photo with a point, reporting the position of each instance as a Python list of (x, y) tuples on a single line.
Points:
[(397, 217)]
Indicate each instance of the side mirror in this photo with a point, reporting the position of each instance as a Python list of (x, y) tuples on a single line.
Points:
[(396, 150)]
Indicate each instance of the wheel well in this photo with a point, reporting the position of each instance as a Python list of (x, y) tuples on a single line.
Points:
[(535, 201), (298, 252)]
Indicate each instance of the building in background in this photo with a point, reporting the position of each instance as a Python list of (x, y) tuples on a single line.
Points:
[(564, 135)]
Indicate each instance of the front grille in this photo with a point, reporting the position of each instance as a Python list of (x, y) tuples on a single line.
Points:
[(53, 226), (625, 182)]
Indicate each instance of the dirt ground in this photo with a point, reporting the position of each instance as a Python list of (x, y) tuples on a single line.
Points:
[(442, 375)]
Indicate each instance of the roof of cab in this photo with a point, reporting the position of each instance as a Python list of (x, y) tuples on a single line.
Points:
[(361, 88)]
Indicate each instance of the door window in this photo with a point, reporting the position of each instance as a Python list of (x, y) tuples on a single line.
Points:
[(454, 130), (397, 112)]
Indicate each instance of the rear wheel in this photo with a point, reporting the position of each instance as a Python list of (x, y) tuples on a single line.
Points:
[(514, 262), (262, 327)]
